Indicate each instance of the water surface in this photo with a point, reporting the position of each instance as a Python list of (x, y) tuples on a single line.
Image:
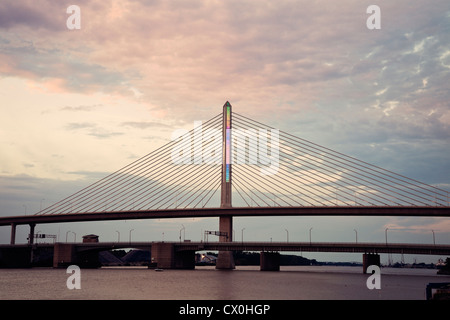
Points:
[(206, 283)]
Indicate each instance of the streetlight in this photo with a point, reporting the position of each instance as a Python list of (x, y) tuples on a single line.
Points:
[(434, 239), (242, 234), (389, 255), (67, 233), (310, 235), (356, 232), (130, 235), (118, 236), (75, 236), (287, 235), (184, 234)]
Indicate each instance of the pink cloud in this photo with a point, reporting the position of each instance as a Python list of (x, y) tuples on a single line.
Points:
[(441, 225), (181, 56)]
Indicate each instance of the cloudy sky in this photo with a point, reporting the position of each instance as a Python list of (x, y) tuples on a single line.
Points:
[(79, 104)]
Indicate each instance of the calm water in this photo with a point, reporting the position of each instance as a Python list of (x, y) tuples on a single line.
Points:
[(309, 282)]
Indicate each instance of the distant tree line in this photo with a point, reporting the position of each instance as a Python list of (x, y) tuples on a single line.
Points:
[(243, 258)]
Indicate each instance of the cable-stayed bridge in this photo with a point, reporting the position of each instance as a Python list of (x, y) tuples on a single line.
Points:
[(271, 169), (232, 165)]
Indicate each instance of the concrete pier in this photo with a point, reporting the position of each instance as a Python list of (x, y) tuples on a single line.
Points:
[(225, 259), (370, 259), (164, 256), (64, 255), (269, 261)]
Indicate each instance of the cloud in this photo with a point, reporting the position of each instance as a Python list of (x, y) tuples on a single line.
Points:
[(306, 62), (24, 192), (310, 68), (256, 54), (93, 130), (27, 13), (79, 125), (90, 175), (81, 108), (427, 225), (104, 134), (145, 125)]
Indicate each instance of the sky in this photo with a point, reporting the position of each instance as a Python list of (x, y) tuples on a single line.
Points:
[(79, 104)]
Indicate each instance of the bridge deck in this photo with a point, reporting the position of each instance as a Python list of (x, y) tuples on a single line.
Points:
[(399, 248), (320, 247), (419, 211)]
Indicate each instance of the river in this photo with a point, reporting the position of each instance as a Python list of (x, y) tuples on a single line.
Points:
[(206, 283)]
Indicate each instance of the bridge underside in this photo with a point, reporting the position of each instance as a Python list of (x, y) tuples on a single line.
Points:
[(175, 255), (409, 211)]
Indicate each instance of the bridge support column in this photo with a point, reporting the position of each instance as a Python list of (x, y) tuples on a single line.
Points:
[(225, 260), (13, 233), (31, 235), (269, 261), (64, 255), (165, 256), (370, 259)]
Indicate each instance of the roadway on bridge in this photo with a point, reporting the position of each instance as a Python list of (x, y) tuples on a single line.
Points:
[(425, 211), (347, 247)]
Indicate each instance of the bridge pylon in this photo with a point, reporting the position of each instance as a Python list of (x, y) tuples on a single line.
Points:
[(225, 199), (225, 259)]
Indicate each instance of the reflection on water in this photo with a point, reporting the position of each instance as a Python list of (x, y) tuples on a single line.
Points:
[(296, 282)]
